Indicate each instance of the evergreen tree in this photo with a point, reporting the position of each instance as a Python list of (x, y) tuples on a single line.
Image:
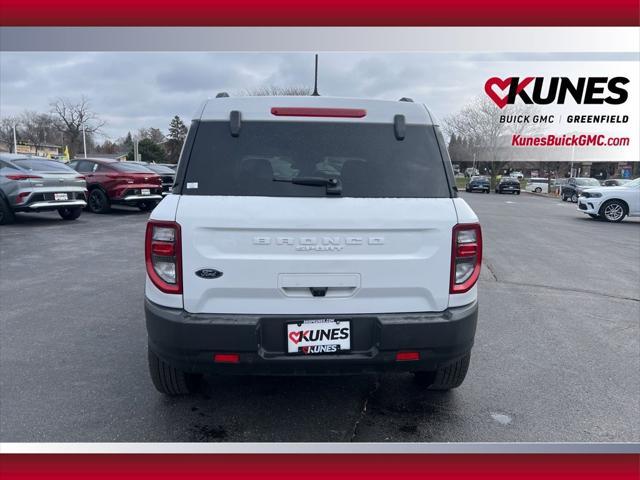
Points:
[(175, 139)]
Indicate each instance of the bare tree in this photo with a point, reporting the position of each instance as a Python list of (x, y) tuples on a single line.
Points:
[(153, 134), (479, 122), (275, 91), (72, 116), (6, 131), (39, 129)]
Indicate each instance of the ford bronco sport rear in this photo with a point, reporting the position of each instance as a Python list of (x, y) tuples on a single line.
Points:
[(312, 235)]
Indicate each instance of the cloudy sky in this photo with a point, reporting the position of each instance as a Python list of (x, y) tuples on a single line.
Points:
[(133, 90)]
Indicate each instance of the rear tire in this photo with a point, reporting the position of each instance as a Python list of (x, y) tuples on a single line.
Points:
[(98, 201), (70, 213), (6, 214), (445, 378), (538, 190), (170, 380), (574, 198)]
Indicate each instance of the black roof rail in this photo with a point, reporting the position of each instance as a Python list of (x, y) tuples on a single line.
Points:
[(222, 95), (406, 99)]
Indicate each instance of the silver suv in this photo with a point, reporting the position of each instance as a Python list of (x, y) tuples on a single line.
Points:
[(33, 184)]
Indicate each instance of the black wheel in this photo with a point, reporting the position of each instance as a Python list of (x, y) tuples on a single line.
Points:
[(593, 215), (518, 192), (98, 201), (538, 190), (70, 213), (445, 378), (169, 380), (146, 206), (564, 197), (613, 211), (6, 214), (574, 198)]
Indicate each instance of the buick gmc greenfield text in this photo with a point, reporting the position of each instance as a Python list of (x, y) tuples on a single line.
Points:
[(312, 235)]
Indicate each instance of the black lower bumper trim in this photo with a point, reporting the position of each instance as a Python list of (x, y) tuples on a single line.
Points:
[(190, 341)]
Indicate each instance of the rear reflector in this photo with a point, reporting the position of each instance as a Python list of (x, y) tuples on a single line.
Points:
[(226, 358), (407, 356), (318, 112), (164, 249)]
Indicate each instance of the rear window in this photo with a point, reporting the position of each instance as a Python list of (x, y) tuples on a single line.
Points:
[(130, 167), (365, 158), (37, 165), (584, 182), (161, 169)]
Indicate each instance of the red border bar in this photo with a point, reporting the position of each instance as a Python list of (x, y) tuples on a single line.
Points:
[(319, 13), (315, 466)]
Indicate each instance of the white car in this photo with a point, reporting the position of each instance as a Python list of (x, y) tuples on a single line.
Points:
[(310, 235), (611, 203)]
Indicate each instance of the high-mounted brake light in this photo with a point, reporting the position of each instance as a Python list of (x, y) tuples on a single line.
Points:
[(163, 256), (466, 257), (22, 176), (318, 112)]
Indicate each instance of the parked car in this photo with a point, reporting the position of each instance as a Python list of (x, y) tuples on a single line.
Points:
[(478, 183), (537, 185), (32, 184), (518, 175), (575, 186), (615, 182), (111, 182), (167, 175), (298, 253), (508, 185), (470, 172), (611, 203)]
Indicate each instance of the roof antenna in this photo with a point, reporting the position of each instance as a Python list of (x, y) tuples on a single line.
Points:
[(315, 85)]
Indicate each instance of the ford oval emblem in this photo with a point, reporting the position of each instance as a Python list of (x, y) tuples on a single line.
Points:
[(209, 273)]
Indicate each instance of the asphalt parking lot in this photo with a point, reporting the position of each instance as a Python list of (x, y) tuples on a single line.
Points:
[(557, 351)]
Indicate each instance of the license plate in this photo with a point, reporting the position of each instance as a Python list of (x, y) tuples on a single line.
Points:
[(327, 335), (60, 196), (145, 191)]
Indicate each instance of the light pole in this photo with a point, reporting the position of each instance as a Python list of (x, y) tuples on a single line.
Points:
[(84, 141), (15, 140)]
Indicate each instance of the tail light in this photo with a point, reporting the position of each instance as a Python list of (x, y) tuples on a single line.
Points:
[(466, 257), (22, 176), (163, 256)]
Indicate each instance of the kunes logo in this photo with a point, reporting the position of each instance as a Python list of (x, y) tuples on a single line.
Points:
[(544, 91)]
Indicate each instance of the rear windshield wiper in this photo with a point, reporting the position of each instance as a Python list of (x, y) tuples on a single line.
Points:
[(334, 187)]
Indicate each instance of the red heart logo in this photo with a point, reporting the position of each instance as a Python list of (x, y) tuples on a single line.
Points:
[(503, 85), (295, 337)]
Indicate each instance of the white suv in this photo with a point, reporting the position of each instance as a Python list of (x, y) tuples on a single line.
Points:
[(312, 235), (611, 203)]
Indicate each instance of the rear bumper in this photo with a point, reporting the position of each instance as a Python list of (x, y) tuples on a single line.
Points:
[(190, 341), (50, 205), (139, 198)]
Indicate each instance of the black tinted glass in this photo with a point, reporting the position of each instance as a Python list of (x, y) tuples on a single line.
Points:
[(366, 158), (130, 167)]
